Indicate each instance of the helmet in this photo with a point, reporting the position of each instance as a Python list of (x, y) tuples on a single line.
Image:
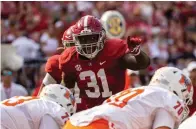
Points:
[(174, 80), (191, 66), (89, 36), (114, 24), (67, 38), (61, 95)]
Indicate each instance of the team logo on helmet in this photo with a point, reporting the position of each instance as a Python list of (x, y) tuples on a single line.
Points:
[(114, 24), (67, 38)]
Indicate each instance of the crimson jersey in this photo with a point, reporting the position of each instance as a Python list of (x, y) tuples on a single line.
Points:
[(96, 79), (52, 67), (192, 107)]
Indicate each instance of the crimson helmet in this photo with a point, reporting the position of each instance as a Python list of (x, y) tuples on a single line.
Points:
[(67, 38), (88, 35)]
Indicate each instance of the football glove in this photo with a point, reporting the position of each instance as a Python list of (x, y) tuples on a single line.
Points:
[(134, 44)]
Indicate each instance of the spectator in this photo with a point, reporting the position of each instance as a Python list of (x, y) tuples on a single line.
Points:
[(26, 47), (8, 87), (49, 42)]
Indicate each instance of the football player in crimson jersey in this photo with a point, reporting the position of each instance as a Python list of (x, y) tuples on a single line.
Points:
[(97, 65), (53, 73)]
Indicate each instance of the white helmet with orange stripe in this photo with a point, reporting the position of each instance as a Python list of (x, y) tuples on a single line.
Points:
[(61, 95), (174, 80)]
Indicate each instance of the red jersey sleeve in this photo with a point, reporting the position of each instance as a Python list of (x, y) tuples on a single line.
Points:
[(65, 66), (65, 57), (52, 67), (192, 107), (36, 91), (116, 47)]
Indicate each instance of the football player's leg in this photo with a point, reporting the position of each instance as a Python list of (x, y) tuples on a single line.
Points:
[(99, 124)]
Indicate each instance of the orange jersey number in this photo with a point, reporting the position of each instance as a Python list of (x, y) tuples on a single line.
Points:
[(121, 99), (17, 100)]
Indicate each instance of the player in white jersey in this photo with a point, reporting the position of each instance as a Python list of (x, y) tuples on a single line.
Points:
[(189, 123), (48, 111), (161, 105)]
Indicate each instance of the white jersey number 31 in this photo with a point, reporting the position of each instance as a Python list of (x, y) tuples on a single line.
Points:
[(93, 83)]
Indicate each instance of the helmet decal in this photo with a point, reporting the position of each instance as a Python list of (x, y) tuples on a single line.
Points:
[(61, 95), (67, 95)]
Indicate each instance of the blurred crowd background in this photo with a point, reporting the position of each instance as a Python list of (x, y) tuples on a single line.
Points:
[(168, 30)]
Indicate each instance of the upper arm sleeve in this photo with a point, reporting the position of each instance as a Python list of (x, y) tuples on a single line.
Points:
[(121, 48), (115, 48), (163, 118), (52, 67), (47, 122)]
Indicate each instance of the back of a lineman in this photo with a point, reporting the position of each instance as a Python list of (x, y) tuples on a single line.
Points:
[(48, 110), (149, 107)]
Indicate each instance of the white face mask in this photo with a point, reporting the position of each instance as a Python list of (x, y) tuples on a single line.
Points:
[(99, 47), (89, 45), (185, 113)]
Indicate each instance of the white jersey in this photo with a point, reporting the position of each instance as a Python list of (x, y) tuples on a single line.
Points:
[(27, 112), (133, 109), (189, 123)]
